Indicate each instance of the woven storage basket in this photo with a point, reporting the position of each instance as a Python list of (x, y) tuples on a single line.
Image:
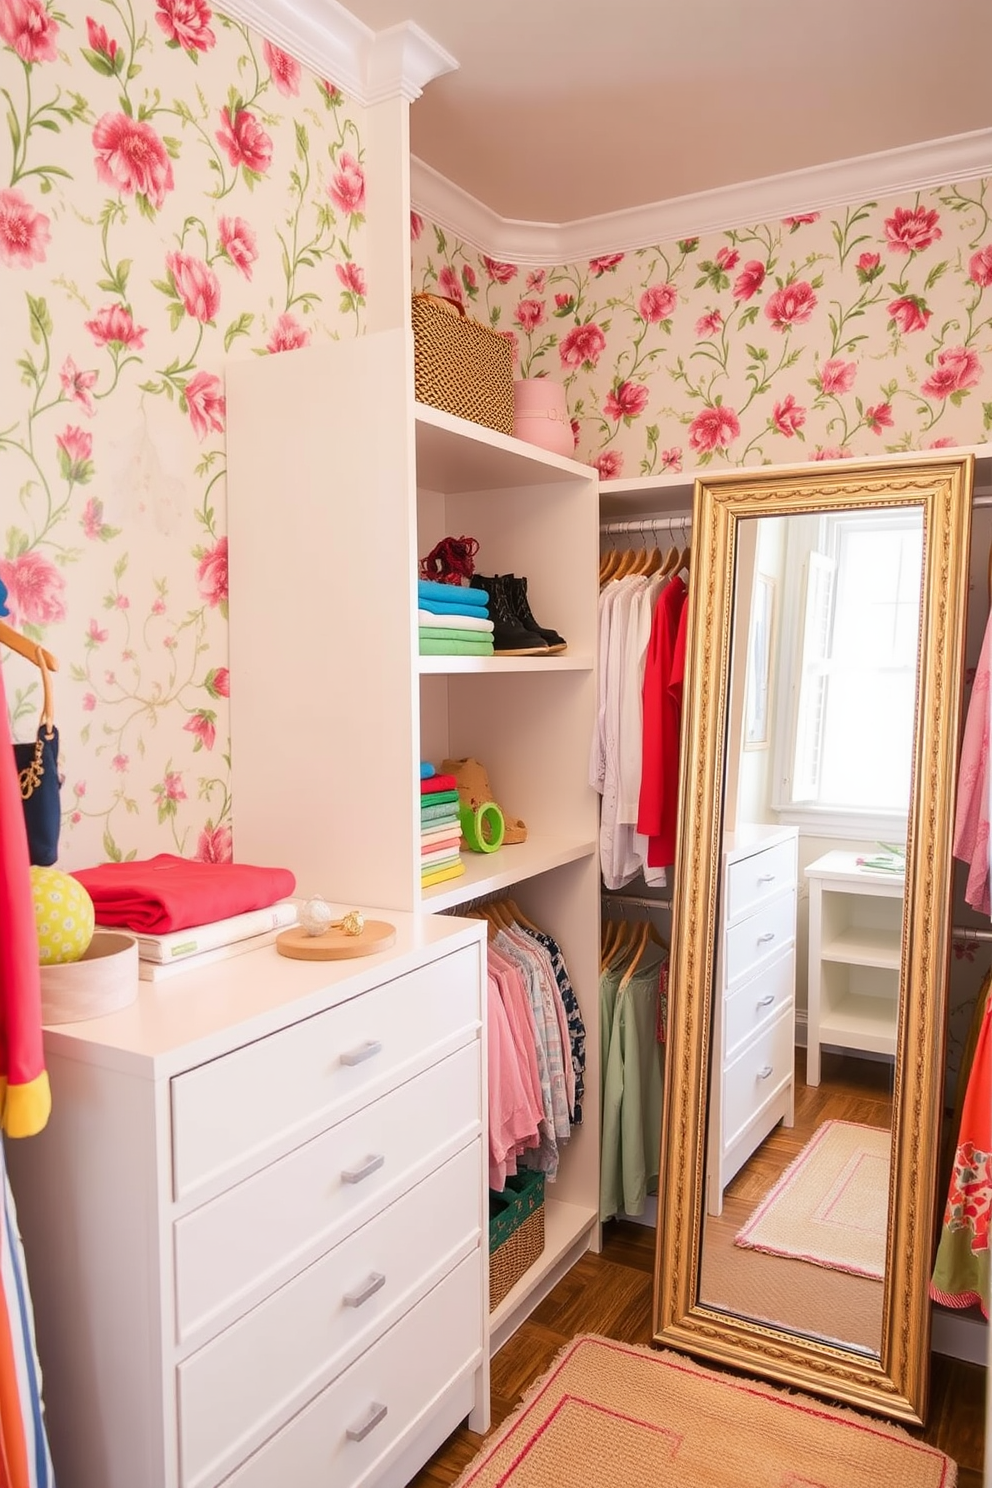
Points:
[(461, 365), (516, 1232)]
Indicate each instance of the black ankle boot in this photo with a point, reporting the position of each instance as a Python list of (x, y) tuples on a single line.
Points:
[(510, 638), (516, 590)]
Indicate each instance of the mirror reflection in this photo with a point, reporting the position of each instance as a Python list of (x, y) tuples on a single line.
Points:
[(818, 758)]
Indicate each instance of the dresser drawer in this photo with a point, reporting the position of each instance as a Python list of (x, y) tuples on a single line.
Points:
[(235, 1392), (392, 1384), (759, 1000), (234, 1250), (753, 879), (759, 936), (756, 1076), (231, 1116)]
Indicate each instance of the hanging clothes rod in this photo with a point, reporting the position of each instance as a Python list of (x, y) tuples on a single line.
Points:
[(649, 524), (639, 900), (966, 932)]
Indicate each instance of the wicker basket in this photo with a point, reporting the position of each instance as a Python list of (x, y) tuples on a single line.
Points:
[(516, 1232), (461, 365)]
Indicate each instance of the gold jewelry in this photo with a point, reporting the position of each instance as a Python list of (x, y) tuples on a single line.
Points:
[(352, 924)]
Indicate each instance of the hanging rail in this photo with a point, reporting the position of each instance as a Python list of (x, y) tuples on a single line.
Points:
[(965, 932), (640, 901), (683, 523)]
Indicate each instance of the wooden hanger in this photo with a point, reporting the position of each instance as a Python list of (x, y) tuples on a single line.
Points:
[(608, 942), (640, 945), (521, 919), (24, 647)]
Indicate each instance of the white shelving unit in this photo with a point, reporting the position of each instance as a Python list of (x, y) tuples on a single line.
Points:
[(855, 950), (338, 481)]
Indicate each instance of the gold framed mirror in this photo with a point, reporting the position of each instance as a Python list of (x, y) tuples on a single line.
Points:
[(814, 870)]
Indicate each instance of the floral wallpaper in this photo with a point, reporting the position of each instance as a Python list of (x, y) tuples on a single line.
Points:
[(174, 191), (848, 332)]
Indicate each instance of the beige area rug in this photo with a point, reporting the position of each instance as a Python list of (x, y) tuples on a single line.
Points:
[(830, 1206), (609, 1413)]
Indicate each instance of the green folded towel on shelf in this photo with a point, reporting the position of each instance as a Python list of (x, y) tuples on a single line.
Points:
[(430, 646)]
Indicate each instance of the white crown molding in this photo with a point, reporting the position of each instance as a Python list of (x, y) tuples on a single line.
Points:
[(369, 66), (959, 157)]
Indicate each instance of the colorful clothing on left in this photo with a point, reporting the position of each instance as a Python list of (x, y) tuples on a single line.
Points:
[(961, 1271)]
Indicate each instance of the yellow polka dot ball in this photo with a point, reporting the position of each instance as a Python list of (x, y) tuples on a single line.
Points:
[(64, 915)]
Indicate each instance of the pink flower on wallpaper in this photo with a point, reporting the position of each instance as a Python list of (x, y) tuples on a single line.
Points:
[(238, 242), (605, 263), (499, 273), (245, 141), (837, 376), (26, 26), (347, 190), (791, 305), (529, 314), (76, 385), (670, 459), (582, 347), (910, 230), (910, 313), (416, 226), (449, 284), (657, 302), (879, 417), (120, 763), (947, 442), (609, 463), (91, 522), (788, 417), (89, 706), (536, 280), (709, 325), (34, 589), (158, 605), (113, 326), (626, 400), (75, 451), (172, 788), (186, 24), (749, 280), (218, 682), (576, 432), (214, 845), (470, 278), (333, 94), (957, 368), (131, 158), (201, 725), (211, 573), (832, 452), (284, 69), (980, 267), (727, 259), (205, 403), (564, 304), (801, 220), (714, 428), (99, 40), (24, 233), (868, 267), (288, 335), (96, 635), (353, 278), (511, 336), (196, 285)]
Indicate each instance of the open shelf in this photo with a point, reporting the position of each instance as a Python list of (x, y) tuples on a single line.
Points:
[(567, 1227), (486, 872), (858, 1022), (440, 666), (863, 946), (454, 454)]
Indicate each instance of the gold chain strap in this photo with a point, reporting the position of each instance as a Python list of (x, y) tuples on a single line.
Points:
[(31, 776)]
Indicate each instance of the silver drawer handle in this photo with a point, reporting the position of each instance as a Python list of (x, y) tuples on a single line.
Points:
[(764, 1072), (766, 1001), (372, 1162), (768, 935), (767, 878), (373, 1417), (362, 1052), (366, 1290)]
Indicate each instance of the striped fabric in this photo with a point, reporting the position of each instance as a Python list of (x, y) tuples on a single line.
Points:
[(25, 1461)]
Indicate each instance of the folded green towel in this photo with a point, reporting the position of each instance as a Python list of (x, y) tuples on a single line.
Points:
[(451, 633), (441, 803), (431, 647)]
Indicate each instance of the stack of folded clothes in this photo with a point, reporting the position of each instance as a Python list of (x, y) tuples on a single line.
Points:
[(440, 833), (453, 620)]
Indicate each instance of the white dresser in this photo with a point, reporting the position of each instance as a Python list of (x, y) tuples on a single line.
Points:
[(752, 1075), (255, 1225)]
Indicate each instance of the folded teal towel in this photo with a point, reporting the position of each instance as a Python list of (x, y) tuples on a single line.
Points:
[(449, 593), (448, 647), (426, 770), (453, 607)]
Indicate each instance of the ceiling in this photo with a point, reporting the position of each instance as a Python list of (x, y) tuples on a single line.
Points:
[(566, 109)]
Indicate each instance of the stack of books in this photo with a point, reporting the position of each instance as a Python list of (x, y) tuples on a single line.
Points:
[(167, 955)]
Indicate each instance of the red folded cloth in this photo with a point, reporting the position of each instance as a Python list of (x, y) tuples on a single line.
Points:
[(169, 893), (438, 783)]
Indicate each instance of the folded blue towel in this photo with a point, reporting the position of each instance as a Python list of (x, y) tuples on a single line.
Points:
[(449, 593), (426, 770), (439, 607)]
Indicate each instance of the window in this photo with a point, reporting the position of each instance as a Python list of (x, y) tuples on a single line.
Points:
[(857, 617)]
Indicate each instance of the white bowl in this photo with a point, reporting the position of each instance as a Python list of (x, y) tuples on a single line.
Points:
[(101, 981)]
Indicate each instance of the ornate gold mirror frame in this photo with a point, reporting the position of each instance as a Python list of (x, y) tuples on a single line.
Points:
[(895, 1383)]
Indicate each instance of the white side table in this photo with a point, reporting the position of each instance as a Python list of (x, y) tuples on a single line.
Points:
[(855, 951)]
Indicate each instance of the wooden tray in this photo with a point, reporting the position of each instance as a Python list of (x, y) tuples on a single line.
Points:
[(334, 945)]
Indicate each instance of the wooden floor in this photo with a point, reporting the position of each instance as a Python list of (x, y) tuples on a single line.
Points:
[(610, 1294)]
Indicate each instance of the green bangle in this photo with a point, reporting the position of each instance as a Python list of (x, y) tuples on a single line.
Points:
[(482, 826)]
